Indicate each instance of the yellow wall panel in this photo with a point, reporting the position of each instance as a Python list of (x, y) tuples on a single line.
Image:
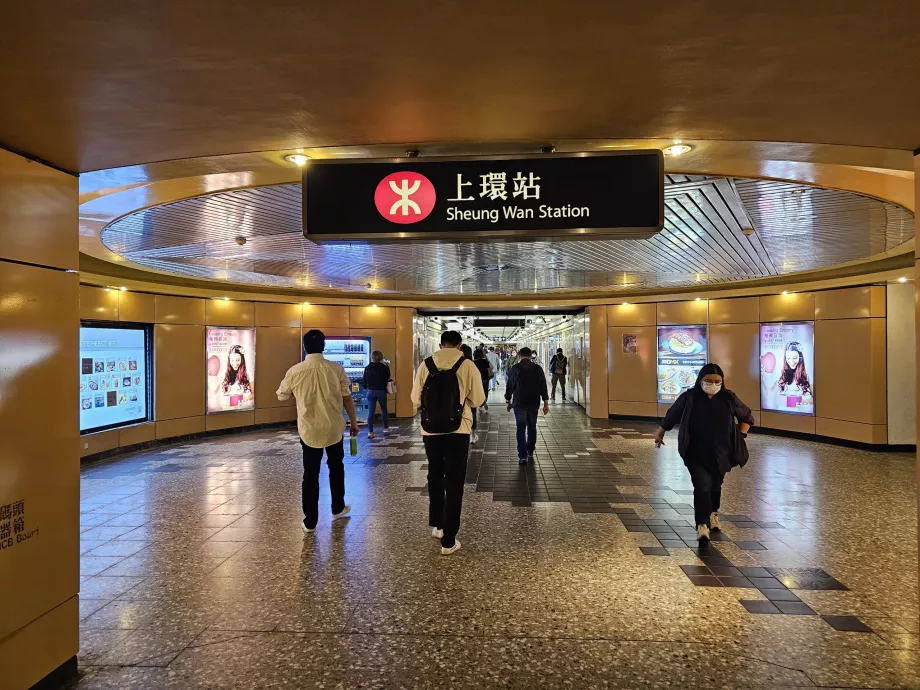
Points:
[(38, 213), (324, 315), (138, 433), (281, 315), (372, 317), (90, 444), (274, 415), (735, 310), (219, 312), (787, 422), (98, 304), (277, 350), (229, 420), (851, 303), (693, 312), (138, 307), (598, 401), (632, 314), (183, 426), (179, 310), (179, 371), (631, 377), (852, 431), (736, 348), (31, 653), (851, 382), (798, 306), (633, 409), (404, 371)]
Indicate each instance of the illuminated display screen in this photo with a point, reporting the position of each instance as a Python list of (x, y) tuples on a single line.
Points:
[(231, 369), (114, 376), (787, 365)]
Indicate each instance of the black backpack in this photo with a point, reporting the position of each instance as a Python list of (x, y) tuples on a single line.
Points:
[(442, 406), (529, 386)]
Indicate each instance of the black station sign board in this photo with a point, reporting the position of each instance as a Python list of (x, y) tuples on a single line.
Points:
[(610, 194)]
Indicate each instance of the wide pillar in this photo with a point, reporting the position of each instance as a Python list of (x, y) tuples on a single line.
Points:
[(39, 421), (598, 406)]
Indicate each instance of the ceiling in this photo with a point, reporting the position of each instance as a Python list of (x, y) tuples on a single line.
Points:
[(797, 228), (92, 85)]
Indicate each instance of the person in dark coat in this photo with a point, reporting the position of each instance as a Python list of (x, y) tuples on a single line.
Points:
[(706, 440)]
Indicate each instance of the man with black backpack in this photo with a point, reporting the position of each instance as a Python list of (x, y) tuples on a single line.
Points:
[(447, 387), (526, 387)]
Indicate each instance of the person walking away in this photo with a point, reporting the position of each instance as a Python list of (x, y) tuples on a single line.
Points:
[(376, 377), (525, 388), (321, 389), (496, 363), (706, 417), (446, 388), (559, 367), (474, 435), (485, 371)]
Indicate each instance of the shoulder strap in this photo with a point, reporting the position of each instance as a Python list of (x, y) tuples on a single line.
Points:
[(458, 364), (432, 367)]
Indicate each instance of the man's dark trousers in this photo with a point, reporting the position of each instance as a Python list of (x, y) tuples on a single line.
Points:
[(526, 418), (312, 459), (447, 456)]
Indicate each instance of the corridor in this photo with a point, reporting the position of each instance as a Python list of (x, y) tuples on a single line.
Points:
[(579, 571)]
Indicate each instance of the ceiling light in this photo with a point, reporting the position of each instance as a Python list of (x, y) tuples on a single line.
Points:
[(536, 306), (123, 288), (374, 306), (107, 289), (677, 149), (785, 292), (460, 307), (698, 299), (625, 304), (902, 279), (306, 304), (226, 299), (297, 159)]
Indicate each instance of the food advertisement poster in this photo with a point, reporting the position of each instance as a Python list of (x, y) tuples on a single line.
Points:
[(231, 369), (681, 355), (787, 365), (113, 377), (630, 343)]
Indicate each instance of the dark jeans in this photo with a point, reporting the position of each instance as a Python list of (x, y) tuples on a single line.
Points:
[(473, 410), (707, 492), (312, 459), (447, 455), (374, 397), (526, 418), (558, 378)]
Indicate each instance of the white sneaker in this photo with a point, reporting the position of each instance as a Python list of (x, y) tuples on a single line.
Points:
[(436, 533), (370, 435), (452, 549), (306, 530), (702, 535), (345, 511), (714, 523)]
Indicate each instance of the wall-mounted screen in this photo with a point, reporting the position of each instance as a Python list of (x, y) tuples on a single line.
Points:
[(787, 364), (114, 376), (681, 354), (231, 369)]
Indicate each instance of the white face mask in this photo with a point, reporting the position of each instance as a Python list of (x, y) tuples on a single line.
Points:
[(711, 388)]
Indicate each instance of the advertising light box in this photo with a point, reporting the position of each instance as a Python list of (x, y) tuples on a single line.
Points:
[(787, 364), (681, 355), (615, 194), (231, 369), (114, 385)]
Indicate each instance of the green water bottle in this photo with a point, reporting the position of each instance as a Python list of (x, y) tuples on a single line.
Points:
[(354, 445)]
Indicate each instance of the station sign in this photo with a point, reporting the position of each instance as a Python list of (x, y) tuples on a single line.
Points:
[(613, 195)]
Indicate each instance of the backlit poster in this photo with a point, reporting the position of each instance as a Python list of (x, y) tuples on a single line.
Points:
[(787, 364), (113, 376), (681, 355), (231, 369)]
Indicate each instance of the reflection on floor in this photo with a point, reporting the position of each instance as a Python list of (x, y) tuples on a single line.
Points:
[(577, 572)]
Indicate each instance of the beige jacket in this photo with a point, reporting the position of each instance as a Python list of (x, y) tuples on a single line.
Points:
[(470, 386)]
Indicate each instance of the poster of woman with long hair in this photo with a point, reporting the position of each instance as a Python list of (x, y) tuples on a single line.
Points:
[(231, 361), (787, 362)]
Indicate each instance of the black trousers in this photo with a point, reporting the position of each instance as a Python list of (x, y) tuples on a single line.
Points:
[(447, 455), (707, 491), (312, 460)]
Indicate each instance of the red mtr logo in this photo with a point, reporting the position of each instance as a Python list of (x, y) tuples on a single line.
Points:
[(405, 197)]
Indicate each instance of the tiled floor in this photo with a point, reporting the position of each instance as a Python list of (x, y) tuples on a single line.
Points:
[(577, 572)]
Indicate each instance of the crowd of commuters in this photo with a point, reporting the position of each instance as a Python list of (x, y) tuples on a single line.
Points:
[(448, 389)]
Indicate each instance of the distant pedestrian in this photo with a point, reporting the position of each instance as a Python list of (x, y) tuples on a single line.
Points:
[(376, 378), (321, 389), (446, 389), (707, 441), (525, 388), (485, 371), (558, 368), (496, 363), (474, 434)]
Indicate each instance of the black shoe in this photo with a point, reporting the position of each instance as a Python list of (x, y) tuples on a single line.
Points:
[(530, 457), (522, 461)]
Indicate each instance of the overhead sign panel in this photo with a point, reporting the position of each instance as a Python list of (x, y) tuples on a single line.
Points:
[(610, 194)]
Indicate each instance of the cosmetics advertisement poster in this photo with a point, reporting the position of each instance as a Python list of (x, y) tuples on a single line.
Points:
[(230, 362)]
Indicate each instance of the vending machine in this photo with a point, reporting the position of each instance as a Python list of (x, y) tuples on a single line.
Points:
[(353, 353)]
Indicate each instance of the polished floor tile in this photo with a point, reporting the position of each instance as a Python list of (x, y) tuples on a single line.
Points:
[(579, 570)]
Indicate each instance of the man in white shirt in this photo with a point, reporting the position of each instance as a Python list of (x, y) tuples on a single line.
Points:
[(321, 389), (496, 363), (447, 452)]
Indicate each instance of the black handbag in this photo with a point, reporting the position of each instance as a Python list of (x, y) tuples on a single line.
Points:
[(740, 454)]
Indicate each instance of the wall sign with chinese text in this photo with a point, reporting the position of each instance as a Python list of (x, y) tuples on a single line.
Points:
[(613, 194)]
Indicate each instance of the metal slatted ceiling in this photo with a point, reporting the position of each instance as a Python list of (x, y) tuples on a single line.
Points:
[(798, 228)]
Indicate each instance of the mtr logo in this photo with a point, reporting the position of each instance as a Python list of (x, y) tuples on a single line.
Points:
[(405, 197)]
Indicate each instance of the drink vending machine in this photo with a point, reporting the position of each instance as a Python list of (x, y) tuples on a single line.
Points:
[(353, 354)]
